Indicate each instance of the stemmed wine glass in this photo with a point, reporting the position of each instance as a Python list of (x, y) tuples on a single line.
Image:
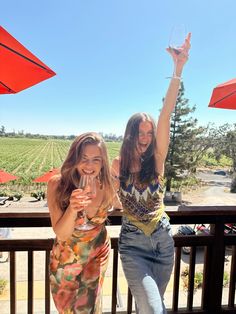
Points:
[(87, 181), (177, 38)]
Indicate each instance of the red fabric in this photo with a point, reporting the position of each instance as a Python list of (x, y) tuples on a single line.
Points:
[(5, 176), (224, 95), (18, 72), (47, 176)]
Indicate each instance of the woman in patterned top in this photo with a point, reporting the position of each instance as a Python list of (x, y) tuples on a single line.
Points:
[(145, 244), (79, 257)]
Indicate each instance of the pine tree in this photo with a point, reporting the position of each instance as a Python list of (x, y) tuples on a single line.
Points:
[(187, 141)]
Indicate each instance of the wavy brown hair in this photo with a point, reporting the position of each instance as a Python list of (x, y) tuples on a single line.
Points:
[(70, 176), (129, 150)]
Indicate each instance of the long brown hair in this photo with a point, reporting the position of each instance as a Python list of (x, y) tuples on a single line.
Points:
[(70, 175), (128, 150)]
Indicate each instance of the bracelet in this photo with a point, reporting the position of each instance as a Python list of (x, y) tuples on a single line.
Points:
[(175, 77)]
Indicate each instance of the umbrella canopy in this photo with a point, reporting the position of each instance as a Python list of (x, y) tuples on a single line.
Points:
[(224, 95), (47, 176), (5, 176), (19, 68)]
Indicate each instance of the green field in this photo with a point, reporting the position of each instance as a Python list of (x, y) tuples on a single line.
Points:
[(30, 158)]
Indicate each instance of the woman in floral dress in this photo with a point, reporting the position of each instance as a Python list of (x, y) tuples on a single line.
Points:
[(79, 257)]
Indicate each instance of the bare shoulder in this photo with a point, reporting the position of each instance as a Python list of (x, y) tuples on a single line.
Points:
[(115, 167), (53, 182), (52, 192), (116, 162)]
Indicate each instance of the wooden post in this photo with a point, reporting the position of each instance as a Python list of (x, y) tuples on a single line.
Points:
[(216, 266)]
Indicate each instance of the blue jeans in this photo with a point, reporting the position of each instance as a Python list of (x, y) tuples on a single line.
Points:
[(147, 263)]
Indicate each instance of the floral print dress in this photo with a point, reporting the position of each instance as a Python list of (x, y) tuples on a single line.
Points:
[(77, 268)]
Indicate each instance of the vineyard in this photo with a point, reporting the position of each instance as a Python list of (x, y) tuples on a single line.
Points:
[(30, 158)]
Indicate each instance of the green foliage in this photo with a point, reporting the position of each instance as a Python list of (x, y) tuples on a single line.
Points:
[(187, 143), (3, 284), (113, 149), (39, 195), (226, 279), (225, 161), (3, 193), (184, 182), (225, 143), (12, 195), (198, 279), (16, 196), (29, 158), (209, 160)]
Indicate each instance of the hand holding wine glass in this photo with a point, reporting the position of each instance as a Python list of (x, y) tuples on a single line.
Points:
[(179, 45), (88, 184), (177, 38)]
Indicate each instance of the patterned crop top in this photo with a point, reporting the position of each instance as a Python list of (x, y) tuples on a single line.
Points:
[(142, 203)]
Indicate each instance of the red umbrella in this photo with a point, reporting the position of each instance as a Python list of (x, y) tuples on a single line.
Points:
[(19, 68), (47, 176), (5, 176), (224, 95)]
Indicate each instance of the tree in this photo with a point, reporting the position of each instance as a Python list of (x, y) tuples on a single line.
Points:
[(2, 130), (187, 141), (226, 143)]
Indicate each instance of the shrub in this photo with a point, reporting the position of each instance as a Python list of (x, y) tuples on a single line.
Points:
[(226, 279), (3, 284), (12, 196), (17, 196), (198, 279), (39, 195), (180, 183), (3, 194)]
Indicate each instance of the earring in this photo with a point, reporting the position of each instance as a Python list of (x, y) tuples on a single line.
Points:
[(99, 178)]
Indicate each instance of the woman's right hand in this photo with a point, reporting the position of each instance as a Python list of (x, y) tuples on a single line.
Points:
[(79, 200)]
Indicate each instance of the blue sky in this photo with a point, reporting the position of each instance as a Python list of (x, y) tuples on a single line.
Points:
[(110, 60)]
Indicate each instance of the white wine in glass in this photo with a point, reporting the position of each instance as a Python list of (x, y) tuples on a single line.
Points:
[(89, 182)]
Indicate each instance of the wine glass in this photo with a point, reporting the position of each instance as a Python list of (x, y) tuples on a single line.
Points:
[(87, 181), (177, 38)]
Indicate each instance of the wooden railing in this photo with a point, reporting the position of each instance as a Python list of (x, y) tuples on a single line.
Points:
[(214, 257)]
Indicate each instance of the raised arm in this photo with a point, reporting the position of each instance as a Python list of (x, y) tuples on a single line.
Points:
[(163, 124)]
